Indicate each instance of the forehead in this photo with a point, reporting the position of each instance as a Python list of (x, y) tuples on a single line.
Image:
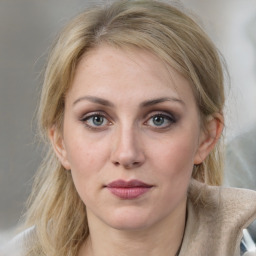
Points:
[(108, 71)]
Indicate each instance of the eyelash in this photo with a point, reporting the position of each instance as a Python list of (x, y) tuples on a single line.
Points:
[(167, 117), (85, 119)]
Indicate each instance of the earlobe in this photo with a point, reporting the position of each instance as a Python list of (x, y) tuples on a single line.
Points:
[(209, 137), (59, 147)]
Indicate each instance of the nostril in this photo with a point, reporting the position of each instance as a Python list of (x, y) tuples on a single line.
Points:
[(132, 165), (116, 163), (127, 165)]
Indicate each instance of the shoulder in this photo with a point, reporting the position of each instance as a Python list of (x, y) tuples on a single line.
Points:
[(17, 246), (217, 217), (234, 204)]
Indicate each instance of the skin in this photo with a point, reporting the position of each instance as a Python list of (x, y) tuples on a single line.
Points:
[(129, 116)]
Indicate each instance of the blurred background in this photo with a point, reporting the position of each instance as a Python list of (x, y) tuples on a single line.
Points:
[(27, 29)]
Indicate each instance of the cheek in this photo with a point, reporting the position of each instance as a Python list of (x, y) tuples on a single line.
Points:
[(87, 158), (176, 156), (173, 162), (86, 164), (171, 165), (84, 151)]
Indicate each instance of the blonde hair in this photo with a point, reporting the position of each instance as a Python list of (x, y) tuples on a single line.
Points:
[(55, 208)]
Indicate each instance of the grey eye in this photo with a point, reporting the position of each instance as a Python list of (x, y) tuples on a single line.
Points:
[(97, 120), (158, 120)]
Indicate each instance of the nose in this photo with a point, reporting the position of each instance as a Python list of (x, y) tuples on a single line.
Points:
[(127, 149)]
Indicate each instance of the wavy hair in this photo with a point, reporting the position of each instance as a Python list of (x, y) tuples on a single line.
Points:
[(55, 208)]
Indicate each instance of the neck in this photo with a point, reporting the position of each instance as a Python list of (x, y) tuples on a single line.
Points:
[(163, 238)]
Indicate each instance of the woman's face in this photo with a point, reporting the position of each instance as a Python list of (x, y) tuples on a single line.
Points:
[(131, 136)]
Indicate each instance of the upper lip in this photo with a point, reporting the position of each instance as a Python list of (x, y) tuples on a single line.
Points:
[(128, 184)]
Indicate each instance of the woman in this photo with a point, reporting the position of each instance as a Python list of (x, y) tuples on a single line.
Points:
[(132, 105)]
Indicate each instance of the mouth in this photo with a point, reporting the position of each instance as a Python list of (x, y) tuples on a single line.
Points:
[(128, 189)]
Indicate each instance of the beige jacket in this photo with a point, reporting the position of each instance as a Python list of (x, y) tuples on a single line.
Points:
[(216, 218)]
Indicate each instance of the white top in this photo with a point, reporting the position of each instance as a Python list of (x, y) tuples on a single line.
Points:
[(15, 246)]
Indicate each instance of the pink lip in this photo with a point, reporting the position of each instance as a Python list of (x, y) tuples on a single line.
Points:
[(128, 189)]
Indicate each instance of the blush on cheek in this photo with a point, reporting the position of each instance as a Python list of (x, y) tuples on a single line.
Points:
[(178, 156)]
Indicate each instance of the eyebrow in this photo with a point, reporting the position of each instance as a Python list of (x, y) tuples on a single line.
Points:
[(144, 104), (94, 99), (152, 102)]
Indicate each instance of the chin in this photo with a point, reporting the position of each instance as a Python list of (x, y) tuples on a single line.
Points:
[(129, 220)]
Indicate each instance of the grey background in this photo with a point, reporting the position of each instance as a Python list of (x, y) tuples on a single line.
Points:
[(27, 29)]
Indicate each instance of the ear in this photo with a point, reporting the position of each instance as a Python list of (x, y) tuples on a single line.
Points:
[(209, 137), (59, 146)]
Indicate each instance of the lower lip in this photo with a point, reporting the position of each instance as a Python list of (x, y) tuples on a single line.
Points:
[(129, 193)]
